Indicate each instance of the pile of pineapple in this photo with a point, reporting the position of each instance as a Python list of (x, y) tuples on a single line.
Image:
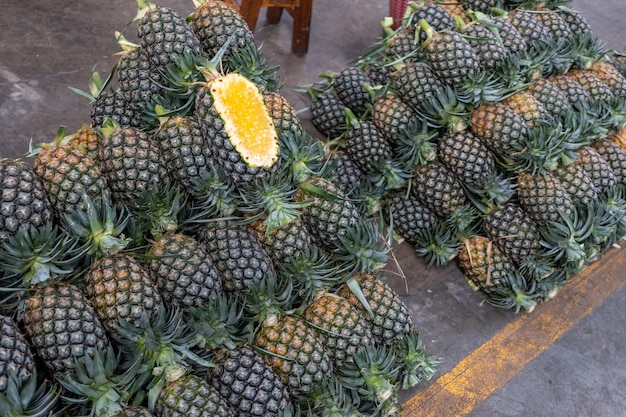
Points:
[(488, 132), (188, 251)]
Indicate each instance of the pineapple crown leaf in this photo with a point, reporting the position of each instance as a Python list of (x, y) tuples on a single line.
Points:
[(125, 44), (29, 398), (429, 31), (414, 362), (218, 324)]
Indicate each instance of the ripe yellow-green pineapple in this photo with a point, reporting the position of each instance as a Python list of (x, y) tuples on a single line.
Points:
[(528, 106), (238, 126), (487, 269), (63, 326), (388, 315), (120, 288), (68, 173), (191, 395)]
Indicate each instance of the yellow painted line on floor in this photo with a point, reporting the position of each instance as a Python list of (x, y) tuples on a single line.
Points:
[(492, 365)]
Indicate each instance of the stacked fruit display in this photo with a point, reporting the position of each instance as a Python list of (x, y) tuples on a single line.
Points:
[(489, 132), (188, 252)]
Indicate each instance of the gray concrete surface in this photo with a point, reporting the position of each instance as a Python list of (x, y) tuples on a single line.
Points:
[(47, 46)]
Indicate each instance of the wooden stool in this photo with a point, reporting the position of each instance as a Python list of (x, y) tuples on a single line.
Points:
[(300, 11)]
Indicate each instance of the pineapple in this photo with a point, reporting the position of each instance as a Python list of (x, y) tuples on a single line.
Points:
[(392, 116), (544, 198), (443, 194), (328, 115), (514, 37), (594, 86), (63, 326), (130, 162), (571, 88), (16, 359), (286, 242), (552, 21), (191, 395), (68, 173), (577, 183), (608, 74), (215, 23), (414, 82), (382, 307), (183, 270), (475, 166), (343, 327), (488, 47), (479, 5), (25, 202), (165, 35), (435, 14), (30, 398), (236, 123), (185, 154), (113, 104), (293, 348), (285, 117), (614, 156), (598, 169), (138, 78), (576, 21), (528, 106), (237, 254), (344, 173), (247, 383), (514, 231), (487, 269), (406, 214), (120, 288), (555, 102), (87, 139), (327, 213), (351, 85), (449, 54)]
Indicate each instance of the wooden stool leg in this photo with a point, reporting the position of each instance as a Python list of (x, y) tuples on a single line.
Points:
[(249, 10), (301, 27), (274, 14)]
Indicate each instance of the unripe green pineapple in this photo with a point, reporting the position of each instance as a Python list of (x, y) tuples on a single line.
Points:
[(450, 55), (185, 154), (544, 198), (328, 213), (25, 202), (344, 328), (531, 29), (165, 35), (120, 288), (113, 104), (237, 254), (217, 22), (138, 78), (479, 5), (130, 161), (328, 115), (183, 270), (247, 382), (576, 21), (511, 30), (344, 173), (438, 189), (191, 395), (350, 85), (488, 47), (388, 315), (367, 147), (551, 97), (407, 214), (63, 326), (414, 82), (435, 14), (552, 21), (16, 359), (284, 242)]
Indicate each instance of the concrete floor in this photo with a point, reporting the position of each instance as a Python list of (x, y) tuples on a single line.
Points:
[(47, 46)]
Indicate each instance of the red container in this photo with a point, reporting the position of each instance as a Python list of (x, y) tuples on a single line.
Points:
[(397, 8)]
